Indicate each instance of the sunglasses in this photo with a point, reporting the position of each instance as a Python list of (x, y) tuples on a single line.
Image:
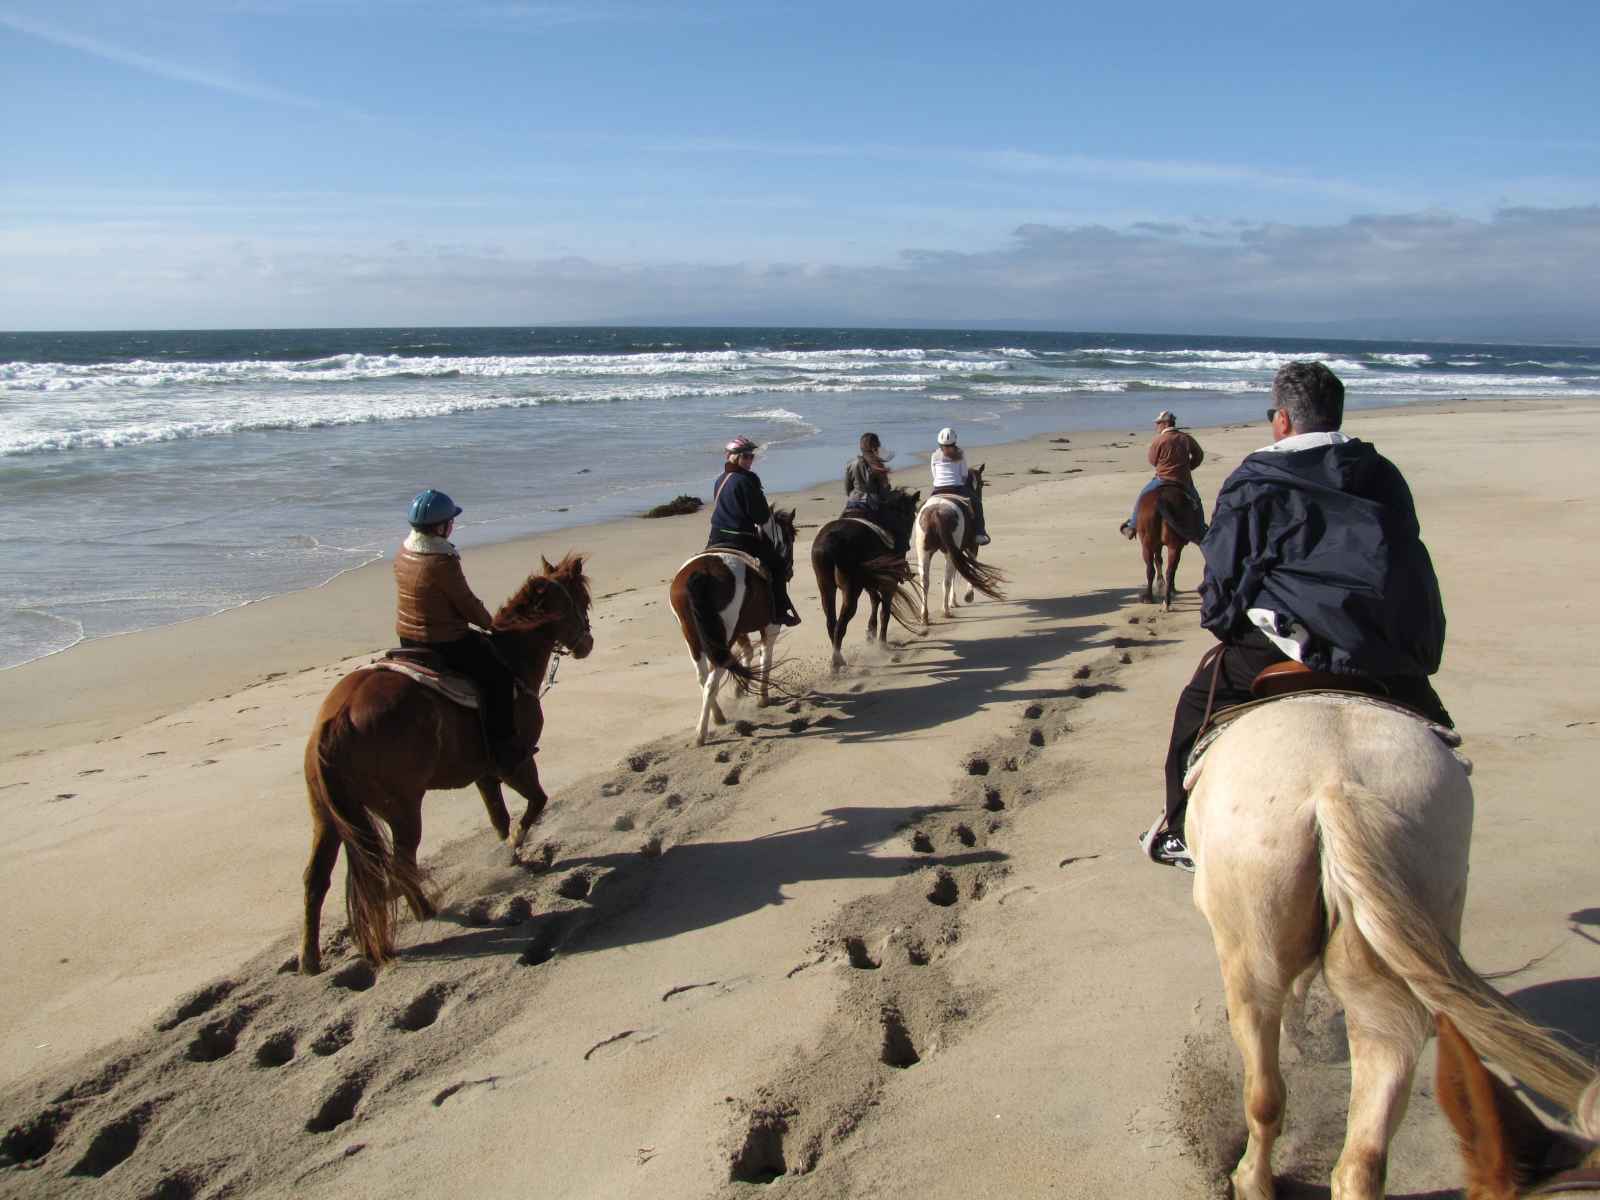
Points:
[(1272, 413)]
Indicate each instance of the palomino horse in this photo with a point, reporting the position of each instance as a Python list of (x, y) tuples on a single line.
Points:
[(720, 601), (381, 740), (945, 523), (851, 556), (1332, 832), (1508, 1151), (1166, 519)]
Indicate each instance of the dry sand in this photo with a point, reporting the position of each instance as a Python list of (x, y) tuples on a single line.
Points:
[(895, 939)]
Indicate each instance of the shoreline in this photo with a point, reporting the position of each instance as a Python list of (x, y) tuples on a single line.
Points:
[(234, 647)]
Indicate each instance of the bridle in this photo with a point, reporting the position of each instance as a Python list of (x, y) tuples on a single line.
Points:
[(584, 630)]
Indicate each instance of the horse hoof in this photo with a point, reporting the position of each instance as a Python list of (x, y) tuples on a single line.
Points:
[(310, 966)]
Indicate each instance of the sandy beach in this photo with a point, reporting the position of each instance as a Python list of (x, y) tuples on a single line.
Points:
[(898, 939)]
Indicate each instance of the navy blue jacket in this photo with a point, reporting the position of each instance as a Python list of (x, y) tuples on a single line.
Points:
[(1327, 536), (740, 507)]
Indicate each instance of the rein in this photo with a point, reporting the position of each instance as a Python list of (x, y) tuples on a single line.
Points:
[(555, 655), (1581, 1179)]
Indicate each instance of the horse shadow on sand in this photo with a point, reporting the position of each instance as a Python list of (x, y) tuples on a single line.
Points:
[(981, 671), (697, 885)]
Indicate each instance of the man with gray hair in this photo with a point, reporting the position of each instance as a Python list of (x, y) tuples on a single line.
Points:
[(1314, 554)]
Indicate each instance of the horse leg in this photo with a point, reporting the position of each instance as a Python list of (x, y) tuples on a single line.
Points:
[(950, 576), (702, 670), (525, 782), (1151, 553), (494, 803), (1387, 1027), (827, 587), (319, 872), (852, 598), (1255, 1009), (1173, 550), (710, 681), (972, 593), (406, 826), (769, 641), (924, 564)]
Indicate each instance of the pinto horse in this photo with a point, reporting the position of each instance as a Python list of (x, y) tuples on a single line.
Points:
[(381, 740), (1332, 833), (849, 555), (945, 523), (1508, 1151), (720, 600), (1166, 519)]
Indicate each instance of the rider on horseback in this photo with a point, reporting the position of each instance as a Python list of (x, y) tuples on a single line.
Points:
[(742, 520), (1174, 454), (437, 610), (1314, 554), (866, 487), (950, 477)]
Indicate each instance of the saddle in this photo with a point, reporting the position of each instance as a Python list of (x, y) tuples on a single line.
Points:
[(1281, 679), (883, 534), (953, 498), (749, 560), (426, 668)]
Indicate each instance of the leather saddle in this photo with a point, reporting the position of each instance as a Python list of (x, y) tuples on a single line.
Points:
[(1280, 679)]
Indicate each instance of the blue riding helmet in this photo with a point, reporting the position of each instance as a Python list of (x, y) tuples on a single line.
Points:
[(432, 508)]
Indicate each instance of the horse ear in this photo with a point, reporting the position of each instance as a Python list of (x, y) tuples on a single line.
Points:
[(546, 564), (1501, 1141)]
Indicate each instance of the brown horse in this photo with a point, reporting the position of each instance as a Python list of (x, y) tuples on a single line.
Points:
[(1508, 1151), (719, 602), (945, 523), (848, 556), (1166, 519), (381, 740)]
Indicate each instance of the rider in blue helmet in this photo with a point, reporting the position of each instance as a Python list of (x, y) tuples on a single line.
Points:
[(437, 611)]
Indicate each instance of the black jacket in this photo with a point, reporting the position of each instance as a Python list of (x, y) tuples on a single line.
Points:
[(740, 508), (1328, 537)]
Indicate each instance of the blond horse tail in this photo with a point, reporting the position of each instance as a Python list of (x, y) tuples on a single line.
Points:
[(1363, 883), (373, 876)]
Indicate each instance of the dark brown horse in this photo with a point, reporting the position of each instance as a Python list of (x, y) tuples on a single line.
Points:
[(719, 602), (849, 556), (381, 740), (1166, 520), (945, 523)]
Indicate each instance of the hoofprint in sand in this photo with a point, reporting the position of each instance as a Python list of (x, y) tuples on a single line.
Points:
[(897, 941)]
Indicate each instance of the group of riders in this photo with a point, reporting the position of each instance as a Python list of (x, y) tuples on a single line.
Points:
[(1313, 555)]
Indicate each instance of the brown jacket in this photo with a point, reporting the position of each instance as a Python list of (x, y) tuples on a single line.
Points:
[(1174, 454), (435, 602)]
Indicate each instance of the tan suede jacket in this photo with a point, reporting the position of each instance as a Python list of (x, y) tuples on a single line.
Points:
[(435, 602)]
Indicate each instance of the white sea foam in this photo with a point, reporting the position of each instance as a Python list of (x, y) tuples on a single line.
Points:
[(770, 414), (1402, 360), (1015, 352)]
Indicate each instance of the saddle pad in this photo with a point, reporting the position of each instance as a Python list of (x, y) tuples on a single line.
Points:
[(749, 560), (1221, 721), (883, 535), (455, 688), (952, 498)]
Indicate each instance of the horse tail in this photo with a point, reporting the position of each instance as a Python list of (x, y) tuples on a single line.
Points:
[(707, 620), (890, 575), (373, 876), (982, 576), (1179, 516), (1361, 882)]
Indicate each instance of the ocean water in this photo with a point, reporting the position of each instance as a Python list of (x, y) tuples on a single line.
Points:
[(149, 477)]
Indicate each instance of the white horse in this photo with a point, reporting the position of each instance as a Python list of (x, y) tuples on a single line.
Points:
[(946, 523), (1332, 833)]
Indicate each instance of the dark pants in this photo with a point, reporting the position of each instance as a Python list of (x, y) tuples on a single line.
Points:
[(767, 555), (1242, 660), (473, 657), (977, 503)]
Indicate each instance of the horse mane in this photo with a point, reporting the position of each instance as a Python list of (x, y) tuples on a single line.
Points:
[(519, 614)]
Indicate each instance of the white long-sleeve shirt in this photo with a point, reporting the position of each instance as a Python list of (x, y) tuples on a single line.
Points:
[(948, 472)]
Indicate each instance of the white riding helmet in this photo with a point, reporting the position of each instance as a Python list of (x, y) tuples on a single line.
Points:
[(947, 436)]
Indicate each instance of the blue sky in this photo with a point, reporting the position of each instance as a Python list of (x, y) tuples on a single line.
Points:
[(1162, 166)]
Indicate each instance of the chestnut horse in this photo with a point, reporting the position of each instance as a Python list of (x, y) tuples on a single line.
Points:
[(848, 556), (945, 523), (1166, 519), (1332, 833), (381, 740), (720, 602), (1507, 1150)]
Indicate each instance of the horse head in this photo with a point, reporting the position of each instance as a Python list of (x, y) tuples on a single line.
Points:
[(975, 477), (899, 509), (783, 520), (556, 601)]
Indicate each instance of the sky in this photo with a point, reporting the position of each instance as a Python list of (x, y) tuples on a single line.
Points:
[(1401, 169)]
